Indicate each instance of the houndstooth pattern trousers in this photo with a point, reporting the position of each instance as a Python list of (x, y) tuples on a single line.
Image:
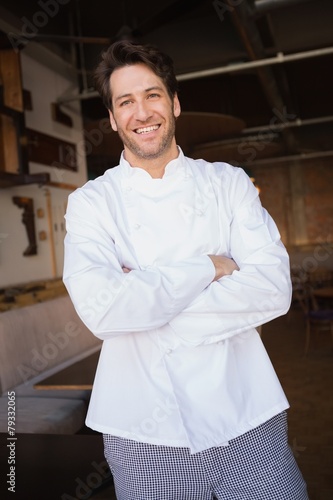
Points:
[(259, 465)]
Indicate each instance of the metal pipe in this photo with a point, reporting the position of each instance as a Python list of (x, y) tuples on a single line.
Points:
[(294, 123), (78, 97), (269, 131), (281, 159), (231, 68), (264, 6), (280, 58), (239, 140)]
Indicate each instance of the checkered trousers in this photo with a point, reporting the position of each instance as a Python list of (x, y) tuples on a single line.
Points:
[(259, 465)]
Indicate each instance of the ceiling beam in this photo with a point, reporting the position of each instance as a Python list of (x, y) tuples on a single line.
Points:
[(242, 17)]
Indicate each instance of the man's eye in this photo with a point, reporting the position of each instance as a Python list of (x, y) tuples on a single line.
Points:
[(124, 103), (153, 95)]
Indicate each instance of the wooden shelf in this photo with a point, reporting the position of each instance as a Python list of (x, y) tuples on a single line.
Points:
[(16, 296), (8, 179)]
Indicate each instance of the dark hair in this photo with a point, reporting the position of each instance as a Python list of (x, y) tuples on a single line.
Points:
[(124, 53)]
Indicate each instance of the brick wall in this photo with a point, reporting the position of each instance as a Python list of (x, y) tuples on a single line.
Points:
[(301, 202)]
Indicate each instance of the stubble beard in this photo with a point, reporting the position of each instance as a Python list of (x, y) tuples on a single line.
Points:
[(156, 150)]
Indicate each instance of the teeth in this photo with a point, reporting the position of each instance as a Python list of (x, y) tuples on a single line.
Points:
[(145, 130)]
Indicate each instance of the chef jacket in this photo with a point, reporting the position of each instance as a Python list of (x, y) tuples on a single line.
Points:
[(182, 363)]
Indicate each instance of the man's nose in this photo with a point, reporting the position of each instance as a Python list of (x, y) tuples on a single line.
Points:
[(142, 111)]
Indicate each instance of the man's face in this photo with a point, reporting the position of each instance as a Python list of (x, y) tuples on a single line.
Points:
[(143, 113)]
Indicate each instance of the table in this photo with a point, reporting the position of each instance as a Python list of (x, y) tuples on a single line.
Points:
[(324, 297), (78, 376), (56, 467), (324, 293)]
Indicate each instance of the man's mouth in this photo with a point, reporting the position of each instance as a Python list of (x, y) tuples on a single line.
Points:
[(146, 130)]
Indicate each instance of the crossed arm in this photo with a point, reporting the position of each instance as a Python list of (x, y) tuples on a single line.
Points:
[(204, 298), (223, 266)]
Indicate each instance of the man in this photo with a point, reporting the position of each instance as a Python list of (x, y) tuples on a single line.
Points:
[(173, 262)]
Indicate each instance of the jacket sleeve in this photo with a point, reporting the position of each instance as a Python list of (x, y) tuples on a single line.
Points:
[(259, 292), (111, 302)]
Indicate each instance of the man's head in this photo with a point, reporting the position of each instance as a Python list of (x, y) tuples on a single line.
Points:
[(139, 88), (125, 53)]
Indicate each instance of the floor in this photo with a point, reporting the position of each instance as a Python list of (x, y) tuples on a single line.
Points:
[(308, 383)]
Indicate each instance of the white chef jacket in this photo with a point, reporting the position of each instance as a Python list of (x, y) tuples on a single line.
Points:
[(181, 363)]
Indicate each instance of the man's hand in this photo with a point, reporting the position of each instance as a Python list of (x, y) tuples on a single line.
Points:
[(126, 270), (223, 266)]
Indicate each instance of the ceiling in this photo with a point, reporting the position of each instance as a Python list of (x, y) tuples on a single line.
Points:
[(279, 107)]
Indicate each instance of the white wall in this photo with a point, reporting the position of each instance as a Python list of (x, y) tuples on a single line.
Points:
[(46, 86)]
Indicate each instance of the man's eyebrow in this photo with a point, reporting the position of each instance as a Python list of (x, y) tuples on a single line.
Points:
[(155, 87), (122, 97)]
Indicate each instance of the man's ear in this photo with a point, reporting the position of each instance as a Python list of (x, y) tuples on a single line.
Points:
[(113, 122), (176, 106)]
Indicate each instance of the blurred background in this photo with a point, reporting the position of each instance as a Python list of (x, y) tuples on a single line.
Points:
[(255, 85)]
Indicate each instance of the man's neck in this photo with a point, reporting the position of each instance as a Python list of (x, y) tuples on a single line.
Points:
[(155, 167)]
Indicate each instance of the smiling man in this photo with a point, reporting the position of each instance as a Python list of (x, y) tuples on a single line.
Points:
[(143, 114), (173, 263)]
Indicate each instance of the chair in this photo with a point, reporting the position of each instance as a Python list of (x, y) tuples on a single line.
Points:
[(317, 319), (320, 277)]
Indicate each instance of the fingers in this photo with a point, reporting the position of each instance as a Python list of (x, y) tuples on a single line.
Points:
[(223, 266)]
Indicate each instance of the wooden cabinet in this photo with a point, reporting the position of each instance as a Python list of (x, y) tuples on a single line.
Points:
[(11, 110)]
